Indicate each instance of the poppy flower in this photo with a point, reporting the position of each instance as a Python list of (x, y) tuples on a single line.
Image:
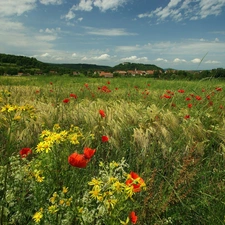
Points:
[(135, 181), (73, 95), (133, 217), (105, 139), (66, 100), (181, 91), (24, 152), (187, 117), (88, 153), (189, 105), (78, 160), (187, 99), (218, 89), (102, 113), (198, 97), (166, 96)]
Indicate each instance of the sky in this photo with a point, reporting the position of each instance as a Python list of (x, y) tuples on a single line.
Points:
[(179, 34)]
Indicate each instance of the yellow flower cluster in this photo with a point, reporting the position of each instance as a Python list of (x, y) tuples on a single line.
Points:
[(38, 175), (16, 111), (38, 216), (110, 187), (50, 138), (57, 202)]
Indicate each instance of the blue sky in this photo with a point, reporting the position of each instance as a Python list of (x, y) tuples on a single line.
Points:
[(167, 33)]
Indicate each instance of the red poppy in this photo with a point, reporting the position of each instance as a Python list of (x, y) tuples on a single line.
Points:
[(208, 97), (187, 117), (73, 95), (66, 100), (108, 82), (133, 217), (78, 160), (203, 90), (88, 153), (37, 91), (187, 99), (221, 107), (219, 89), (51, 83), (86, 85), (105, 139), (210, 103), (189, 105), (166, 96), (181, 91), (24, 152), (198, 97), (102, 113), (135, 181)]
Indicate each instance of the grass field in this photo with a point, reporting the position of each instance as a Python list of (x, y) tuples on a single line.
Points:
[(111, 151)]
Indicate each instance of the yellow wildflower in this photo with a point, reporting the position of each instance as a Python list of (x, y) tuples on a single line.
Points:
[(61, 201), (110, 203), (95, 193), (129, 191), (118, 187), (17, 118), (53, 209), (53, 198), (38, 215), (126, 222), (65, 190), (95, 182)]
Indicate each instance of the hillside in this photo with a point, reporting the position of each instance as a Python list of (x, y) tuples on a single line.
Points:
[(12, 64), (138, 66)]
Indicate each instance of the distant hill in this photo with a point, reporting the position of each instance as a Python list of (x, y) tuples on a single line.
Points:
[(22, 63), (138, 66), (81, 66)]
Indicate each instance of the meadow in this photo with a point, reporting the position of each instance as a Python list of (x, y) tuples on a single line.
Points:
[(99, 151)]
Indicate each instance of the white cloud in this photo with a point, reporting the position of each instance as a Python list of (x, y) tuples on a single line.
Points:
[(53, 2), (104, 5), (161, 60), (196, 60), (45, 55), (74, 54), (102, 57), (177, 60), (178, 10), (45, 37), (127, 48), (212, 62), (11, 7), (108, 32), (70, 15), (87, 5), (216, 40), (209, 7), (84, 5), (134, 58), (50, 31)]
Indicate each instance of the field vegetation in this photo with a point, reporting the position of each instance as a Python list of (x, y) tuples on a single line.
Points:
[(79, 151)]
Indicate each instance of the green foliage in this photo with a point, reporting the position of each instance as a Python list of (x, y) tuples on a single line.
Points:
[(172, 133)]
